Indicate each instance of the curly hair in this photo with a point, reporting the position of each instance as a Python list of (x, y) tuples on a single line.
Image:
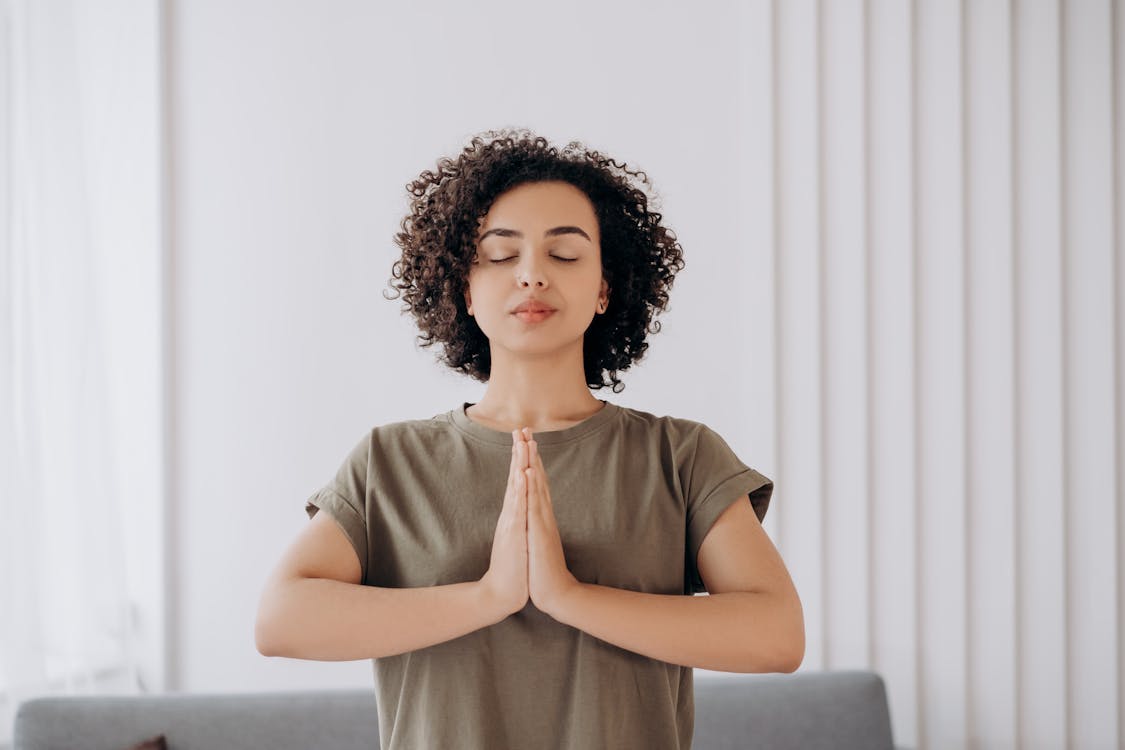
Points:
[(640, 257)]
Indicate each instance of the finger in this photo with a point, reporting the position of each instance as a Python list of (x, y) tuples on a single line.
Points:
[(513, 467), (534, 493), (523, 496), (519, 461), (521, 491), (536, 460), (544, 489), (541, 490), (527, 497)]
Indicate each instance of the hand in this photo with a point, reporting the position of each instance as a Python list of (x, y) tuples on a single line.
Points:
[(506, 580), (549, 580)]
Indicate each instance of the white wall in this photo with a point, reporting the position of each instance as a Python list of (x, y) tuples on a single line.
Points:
[(294, 128), (902, 235)]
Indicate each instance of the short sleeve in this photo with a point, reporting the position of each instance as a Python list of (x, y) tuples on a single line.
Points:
[(716, 478), (344, 498)]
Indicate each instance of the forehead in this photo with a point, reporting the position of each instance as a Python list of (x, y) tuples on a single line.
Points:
[(536, 206)]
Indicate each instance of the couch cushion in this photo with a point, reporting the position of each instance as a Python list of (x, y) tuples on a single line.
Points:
[(803, 711), (344, 719)]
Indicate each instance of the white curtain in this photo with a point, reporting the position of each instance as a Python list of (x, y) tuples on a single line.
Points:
[(67, 622)]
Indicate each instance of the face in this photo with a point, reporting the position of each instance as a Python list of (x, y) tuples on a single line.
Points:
[(522, 253)]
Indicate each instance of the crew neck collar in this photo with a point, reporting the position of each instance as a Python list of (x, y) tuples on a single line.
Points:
[(598, 419)]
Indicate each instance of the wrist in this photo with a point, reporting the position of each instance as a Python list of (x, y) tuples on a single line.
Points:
[(489, 600), (560, 605)]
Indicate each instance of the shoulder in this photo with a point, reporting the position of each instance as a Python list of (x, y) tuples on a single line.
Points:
[(685, 441), (406, 432), (676, 430), (428, 426)]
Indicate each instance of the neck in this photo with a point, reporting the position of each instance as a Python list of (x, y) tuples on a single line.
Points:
[(542, 392)]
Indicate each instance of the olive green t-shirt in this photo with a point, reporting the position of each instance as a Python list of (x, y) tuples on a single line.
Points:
[(634, 495)]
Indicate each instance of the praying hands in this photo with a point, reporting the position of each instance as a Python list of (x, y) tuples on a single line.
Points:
[(527, 554), (751, 630)]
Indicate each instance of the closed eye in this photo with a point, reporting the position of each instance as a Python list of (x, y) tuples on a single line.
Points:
[(505, 260)]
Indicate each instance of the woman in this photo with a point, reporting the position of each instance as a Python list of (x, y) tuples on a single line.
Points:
[(517, 567)]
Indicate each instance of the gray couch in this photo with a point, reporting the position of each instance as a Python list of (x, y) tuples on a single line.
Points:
[(806, 710)]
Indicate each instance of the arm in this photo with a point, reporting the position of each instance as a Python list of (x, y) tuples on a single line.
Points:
[(737, 631), (314, 607), (751, 621)]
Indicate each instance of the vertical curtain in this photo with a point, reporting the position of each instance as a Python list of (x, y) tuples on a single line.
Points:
[(940, 191), (65, 614)]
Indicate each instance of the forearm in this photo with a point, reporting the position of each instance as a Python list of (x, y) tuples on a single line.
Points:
[(730, 632), (329, 620)]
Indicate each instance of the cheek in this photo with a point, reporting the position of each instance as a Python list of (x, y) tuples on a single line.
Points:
[(478, 285), (485, 294)]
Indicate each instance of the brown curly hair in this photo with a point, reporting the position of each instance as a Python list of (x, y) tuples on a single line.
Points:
[(640, 257)]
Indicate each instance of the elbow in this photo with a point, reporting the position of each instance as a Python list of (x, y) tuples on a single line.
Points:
[(786, 655), (789, 659), (793, 663), (797, 646), (791, 654), (267, 628), (263, 639), (277, 625)]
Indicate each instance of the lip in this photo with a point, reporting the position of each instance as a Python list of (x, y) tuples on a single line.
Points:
[(534, 316), (533, 306)]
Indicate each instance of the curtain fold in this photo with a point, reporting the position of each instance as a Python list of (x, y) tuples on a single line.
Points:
[(67, 624)]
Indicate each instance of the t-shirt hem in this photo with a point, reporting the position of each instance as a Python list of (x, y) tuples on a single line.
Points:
[(334, 503), (708, 510)]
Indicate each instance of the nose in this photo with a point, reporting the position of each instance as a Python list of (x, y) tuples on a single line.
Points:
[(530, 272)]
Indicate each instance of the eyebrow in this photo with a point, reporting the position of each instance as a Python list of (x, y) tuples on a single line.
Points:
[(500, 231)]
